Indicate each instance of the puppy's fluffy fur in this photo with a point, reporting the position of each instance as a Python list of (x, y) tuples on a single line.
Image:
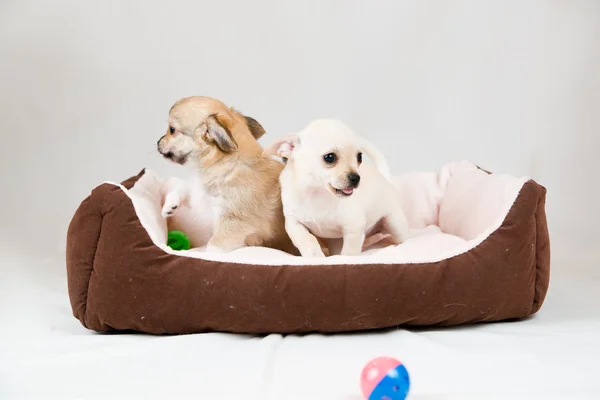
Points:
[(328, 192), (241, 182)]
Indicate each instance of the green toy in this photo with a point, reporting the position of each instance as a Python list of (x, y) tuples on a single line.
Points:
[(178, 240)]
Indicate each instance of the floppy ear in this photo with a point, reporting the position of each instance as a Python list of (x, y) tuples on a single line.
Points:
[(213, 131), (283, 147), (378, 157), (255, 128)]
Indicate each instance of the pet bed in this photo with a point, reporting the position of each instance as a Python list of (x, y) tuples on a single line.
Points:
[(479, 253)]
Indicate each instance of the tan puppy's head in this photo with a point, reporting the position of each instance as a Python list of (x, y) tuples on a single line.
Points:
[(324, 154), (206, 131)]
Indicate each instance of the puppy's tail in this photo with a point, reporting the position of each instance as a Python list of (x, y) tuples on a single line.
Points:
[(378, 158)]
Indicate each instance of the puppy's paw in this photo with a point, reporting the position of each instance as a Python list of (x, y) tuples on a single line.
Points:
[(220, 244), (312, 252), (212, 248), (171, 206), (169, 209), (351, 251)]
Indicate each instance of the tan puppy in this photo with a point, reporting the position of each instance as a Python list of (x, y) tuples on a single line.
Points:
[(241, 182), (328, 192)]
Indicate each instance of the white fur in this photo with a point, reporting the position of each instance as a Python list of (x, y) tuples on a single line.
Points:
[(310, 204)]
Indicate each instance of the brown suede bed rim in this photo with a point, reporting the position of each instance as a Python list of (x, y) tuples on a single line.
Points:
[(119, 280)]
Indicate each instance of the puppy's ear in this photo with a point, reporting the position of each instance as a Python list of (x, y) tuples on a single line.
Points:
[(283, 147), (213, 131), (255, 128), (378, 157)]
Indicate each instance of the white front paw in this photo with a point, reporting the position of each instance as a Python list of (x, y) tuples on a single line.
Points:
[(169, 210), (351, 251), (315, 251), (211, 248), (172, 204)]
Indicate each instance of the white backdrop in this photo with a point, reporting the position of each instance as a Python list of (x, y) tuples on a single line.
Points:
[(85, 88)]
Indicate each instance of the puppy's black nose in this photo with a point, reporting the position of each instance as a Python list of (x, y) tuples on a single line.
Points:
[(354, 179), (169, 154)]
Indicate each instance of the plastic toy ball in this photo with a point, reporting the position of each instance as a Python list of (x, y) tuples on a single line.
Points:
[(178, 240), (384, 378)]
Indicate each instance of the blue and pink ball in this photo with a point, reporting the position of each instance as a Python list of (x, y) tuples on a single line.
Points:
[(384, 378)]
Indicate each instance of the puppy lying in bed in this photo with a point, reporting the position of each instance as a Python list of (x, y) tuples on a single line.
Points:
[(241, 184), (327, 191)]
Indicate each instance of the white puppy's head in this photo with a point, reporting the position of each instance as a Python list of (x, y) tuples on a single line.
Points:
[(326, 154)]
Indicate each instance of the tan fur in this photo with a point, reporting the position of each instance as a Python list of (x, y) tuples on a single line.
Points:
[(243, 181)]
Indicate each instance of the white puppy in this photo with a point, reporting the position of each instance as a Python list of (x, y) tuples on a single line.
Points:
[(328, 192)]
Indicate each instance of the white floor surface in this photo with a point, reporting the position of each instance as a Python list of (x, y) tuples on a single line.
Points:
[(45, 352)]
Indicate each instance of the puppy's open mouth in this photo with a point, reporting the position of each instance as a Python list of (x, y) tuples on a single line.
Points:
[(342, 192)]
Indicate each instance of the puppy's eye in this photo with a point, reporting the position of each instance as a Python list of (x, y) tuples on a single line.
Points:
[(329, 158), (359, 157), (172, 130)]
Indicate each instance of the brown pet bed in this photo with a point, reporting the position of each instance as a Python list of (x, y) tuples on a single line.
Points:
[(480, 253)]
